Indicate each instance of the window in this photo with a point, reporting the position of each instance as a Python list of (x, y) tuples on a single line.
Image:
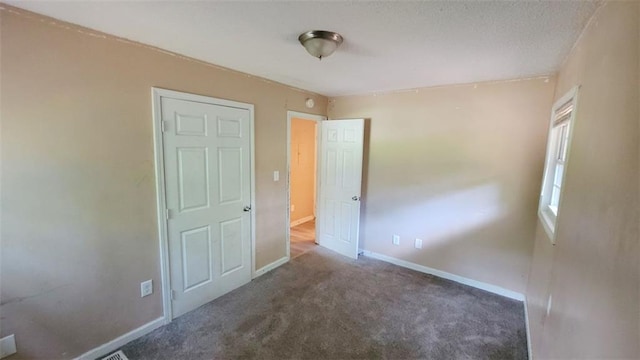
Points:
[(558, 144)]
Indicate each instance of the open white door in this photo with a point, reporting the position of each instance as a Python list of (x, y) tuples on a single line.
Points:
[(340, 184)]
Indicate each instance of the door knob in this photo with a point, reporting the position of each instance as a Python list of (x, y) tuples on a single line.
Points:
[(355, 198), (247, 208)]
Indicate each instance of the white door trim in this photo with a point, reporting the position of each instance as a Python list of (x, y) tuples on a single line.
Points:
[(318, 119), (156, 95)]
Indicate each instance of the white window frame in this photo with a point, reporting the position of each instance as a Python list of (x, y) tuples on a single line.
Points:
[(546, 211)]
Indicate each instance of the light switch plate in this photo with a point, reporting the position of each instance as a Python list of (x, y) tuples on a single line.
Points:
[(418, 244), (396, 239), (276, 175)]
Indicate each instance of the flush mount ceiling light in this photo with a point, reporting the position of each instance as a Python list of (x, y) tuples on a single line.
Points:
[(320, 43)]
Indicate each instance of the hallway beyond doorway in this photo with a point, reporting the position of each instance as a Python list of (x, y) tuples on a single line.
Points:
[(303, 238)]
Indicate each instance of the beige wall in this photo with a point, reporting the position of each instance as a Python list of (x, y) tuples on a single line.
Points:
[(303, 167), (593, 270), (79, 229), (458, 167)]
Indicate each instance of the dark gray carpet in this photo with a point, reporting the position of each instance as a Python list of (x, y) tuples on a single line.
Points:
[(323, 306)]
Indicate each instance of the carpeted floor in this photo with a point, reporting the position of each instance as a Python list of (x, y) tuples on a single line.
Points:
[(324, 306)]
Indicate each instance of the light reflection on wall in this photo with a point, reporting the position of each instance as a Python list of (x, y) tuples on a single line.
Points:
[(445, 216)]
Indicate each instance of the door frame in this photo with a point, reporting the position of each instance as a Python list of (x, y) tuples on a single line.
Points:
[(318, 119), (158, 148)]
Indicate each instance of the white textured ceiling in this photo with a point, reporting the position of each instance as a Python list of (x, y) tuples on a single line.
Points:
[(388, 45)]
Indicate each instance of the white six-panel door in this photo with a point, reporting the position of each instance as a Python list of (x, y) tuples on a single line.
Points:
[(341, 147), (206, 151)]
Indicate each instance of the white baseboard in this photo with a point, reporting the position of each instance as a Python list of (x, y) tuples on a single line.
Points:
[(526, 324), (445, 275), (118, 342), (302, 221), (265, 269)]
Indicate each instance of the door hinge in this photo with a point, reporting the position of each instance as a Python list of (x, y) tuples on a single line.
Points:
[(174, 294), (167, 214), (164, 125)]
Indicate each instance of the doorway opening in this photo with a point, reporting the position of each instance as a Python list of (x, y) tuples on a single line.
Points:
[(335, 170), (303, 169)]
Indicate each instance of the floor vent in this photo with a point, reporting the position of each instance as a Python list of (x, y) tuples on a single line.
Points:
[(118, 355)]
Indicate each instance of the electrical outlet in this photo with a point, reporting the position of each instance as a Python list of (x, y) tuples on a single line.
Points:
[(7, 346), (146, 288), (396, 239), (293, 208), (418, 244)]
